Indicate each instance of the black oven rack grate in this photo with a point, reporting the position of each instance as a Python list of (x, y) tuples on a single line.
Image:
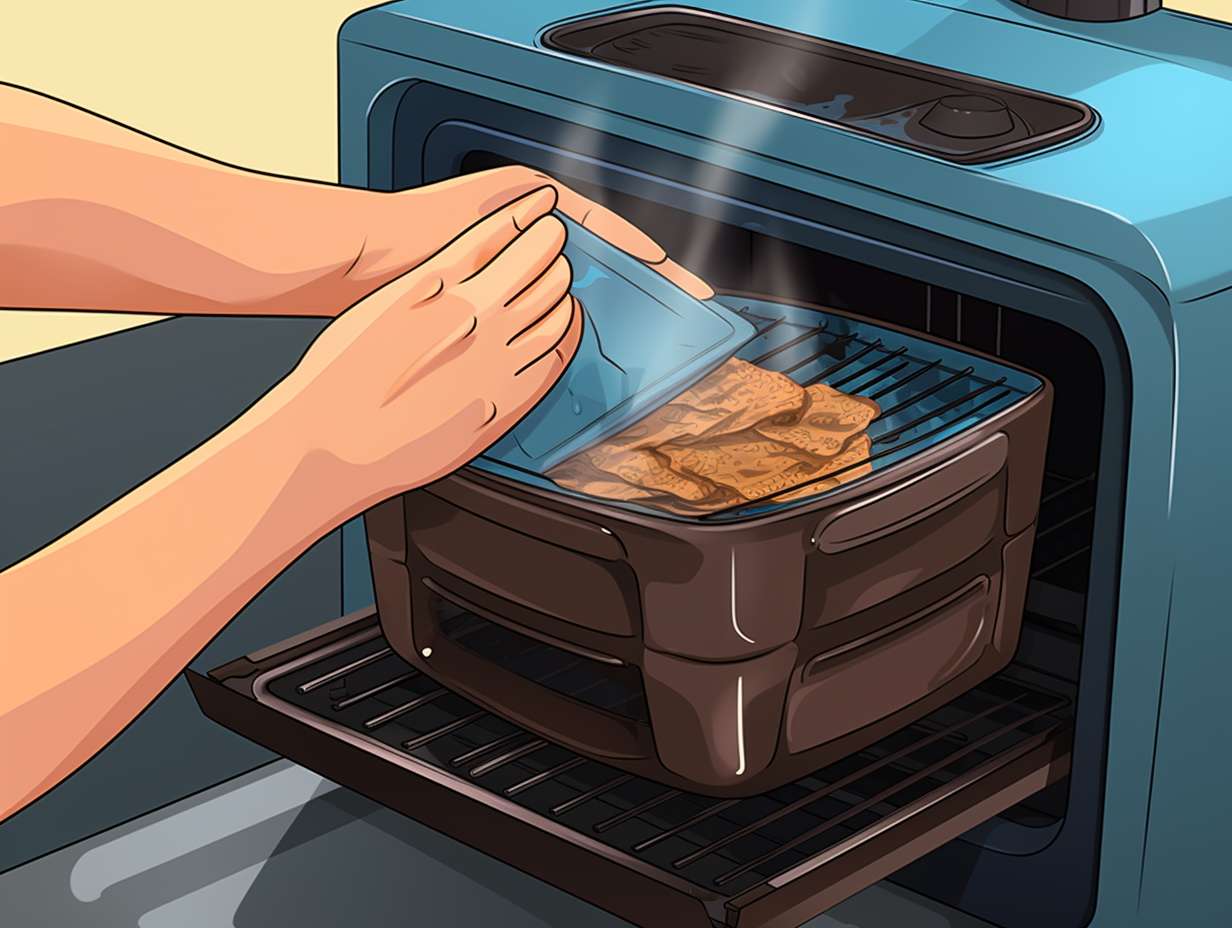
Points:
[(1065, 531), (921, 397), (727, 846)]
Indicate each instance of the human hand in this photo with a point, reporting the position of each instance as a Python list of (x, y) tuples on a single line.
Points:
[(429, 370), (399, 230)]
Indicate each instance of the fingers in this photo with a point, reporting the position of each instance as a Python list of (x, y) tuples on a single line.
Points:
[(544, 333), (522, 263), (608, 225), (628, 238), (551, 345), (687, 281), (472, 250), (593, 216), (495, 186), (475, 248), (543, 293)]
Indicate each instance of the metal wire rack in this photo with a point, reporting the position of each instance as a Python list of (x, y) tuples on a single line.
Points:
[(922, 396), (1066, 529), (728, 845)]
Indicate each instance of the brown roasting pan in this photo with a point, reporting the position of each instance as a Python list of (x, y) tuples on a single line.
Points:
[(753, 650)]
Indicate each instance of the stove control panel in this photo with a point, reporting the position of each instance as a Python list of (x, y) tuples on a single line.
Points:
[(942, 113)]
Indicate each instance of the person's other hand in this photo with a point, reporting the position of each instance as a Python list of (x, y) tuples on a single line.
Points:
[(429, 370), (399, 230)]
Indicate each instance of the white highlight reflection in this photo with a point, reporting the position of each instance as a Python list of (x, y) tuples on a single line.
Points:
[(740, 724), (735, 623)]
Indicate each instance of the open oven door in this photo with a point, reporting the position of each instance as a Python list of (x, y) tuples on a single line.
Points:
[(338, 701)]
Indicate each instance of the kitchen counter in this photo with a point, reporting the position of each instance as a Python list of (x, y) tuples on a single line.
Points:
[(280, 846)]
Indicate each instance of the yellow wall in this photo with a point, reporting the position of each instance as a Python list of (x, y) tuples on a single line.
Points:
[(1213, 9), (252, 82)]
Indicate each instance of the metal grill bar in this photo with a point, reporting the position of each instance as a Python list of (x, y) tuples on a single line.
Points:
[(854, 375), (610, 814), (838, 365), (839, 340), (919, 372), (549, 774), (930, 726), (790, 343), (1057, 563), (768, 329), (925, 393), (485, 748), (880, 377), (609, 823), (697, 819), (590, 794), (749, 314), (593, 685), (509, 757), (1064, 522), (343, 671), (1072, 485), (823, 791), (372, 691), (941, 410), (883, 795), (378, 720), (444, 730)]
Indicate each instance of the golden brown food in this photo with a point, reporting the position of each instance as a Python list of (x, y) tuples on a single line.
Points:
[(740, 434)]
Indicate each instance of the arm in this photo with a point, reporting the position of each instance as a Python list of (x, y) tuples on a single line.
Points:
[(402, 388), (94, 215)]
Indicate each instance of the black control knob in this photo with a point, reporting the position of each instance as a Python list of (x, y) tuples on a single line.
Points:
[(1094, 11), (968, 116)]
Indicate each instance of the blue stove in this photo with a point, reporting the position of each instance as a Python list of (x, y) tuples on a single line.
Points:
[(1048, 190)]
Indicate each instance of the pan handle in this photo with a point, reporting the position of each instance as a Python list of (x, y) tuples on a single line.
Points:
[(914, 499), (537, 521)]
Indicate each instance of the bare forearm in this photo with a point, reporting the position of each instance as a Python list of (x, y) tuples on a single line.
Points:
[(93, 627), (97, 216)]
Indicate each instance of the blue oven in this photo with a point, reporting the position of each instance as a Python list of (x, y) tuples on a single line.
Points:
[(1052, 192)]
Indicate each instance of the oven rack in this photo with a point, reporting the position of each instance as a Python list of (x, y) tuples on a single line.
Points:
[(721, 854), (1066, 526), (927, 391), (922, 394)]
